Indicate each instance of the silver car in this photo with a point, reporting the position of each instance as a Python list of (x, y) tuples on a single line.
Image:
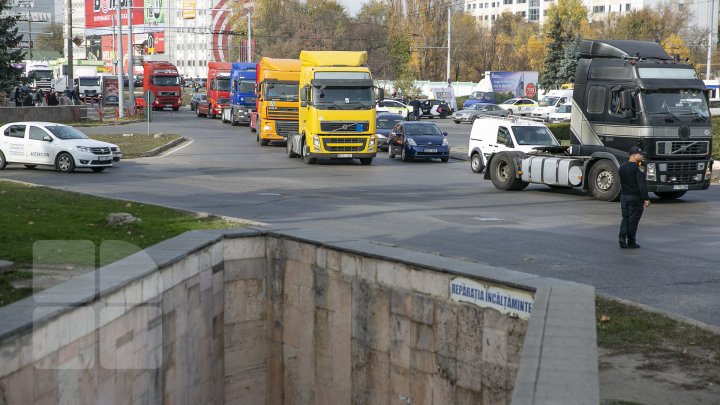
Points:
[(478, 110)]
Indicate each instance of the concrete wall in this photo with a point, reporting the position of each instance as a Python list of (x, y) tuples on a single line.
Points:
[(65, 113), (289, 317)]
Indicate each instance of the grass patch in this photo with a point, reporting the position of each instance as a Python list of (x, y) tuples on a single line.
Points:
[(10, 294), (135, 145), (716, 137), (628, 329), (33, 214)]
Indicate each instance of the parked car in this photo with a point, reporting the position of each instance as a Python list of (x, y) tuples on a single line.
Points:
[(519, 106), (495, 135), (418, 140), (197, 98), (116, 152), (434, 108), (43, 143), (393, 107), (384, 123), (478, 110), (138, 81), (561, 114)]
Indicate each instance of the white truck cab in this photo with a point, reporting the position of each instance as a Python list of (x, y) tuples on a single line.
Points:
[(494, 135), (549, 102)]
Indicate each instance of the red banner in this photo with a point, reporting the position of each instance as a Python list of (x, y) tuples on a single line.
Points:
[(100, 13)]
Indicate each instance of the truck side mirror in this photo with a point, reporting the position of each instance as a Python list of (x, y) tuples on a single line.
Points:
[(626, 100), (304, 96), (381, 94), (509, 143)]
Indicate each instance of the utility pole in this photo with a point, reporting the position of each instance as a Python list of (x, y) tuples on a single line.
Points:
[(448, 42), (69, 52), (121, 83), (249, 44), (30, 43), (131, 65), (710, 39)]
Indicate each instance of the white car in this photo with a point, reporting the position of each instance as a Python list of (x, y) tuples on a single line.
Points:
[(393, 107), (518, 106), (561, 114), (48, 144), (493, 135)]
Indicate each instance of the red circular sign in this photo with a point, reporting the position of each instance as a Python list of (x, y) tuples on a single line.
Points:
[(530, 90)]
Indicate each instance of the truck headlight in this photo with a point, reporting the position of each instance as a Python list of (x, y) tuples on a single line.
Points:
[(316, 141), (650, 172), (372, 142), (708, 171)]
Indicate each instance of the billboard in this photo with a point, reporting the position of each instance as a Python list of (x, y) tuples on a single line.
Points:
[(514, 84), (188, 12), (155, 12), (100, 13), (155, 42), (110, 91)]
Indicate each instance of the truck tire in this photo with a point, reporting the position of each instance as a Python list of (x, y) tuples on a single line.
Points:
[(476, 163), (288, 149), (503, 171), (176, 108), (366, 161), (306, 156), (233, 121), (264, 142), (604, 181), (670, 195), (210, 113)]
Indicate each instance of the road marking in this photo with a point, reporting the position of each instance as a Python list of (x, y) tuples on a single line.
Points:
[(489, 219)]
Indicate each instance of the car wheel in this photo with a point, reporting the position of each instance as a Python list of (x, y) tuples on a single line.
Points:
[(456, 121), (197, 112), (445, 159), (405, 157), (604, 181), (31, 166), (98, 169), (476, 163), (3, 162), (510, 112), (306, 155), (366, 161), (391, 155), (65, 163)]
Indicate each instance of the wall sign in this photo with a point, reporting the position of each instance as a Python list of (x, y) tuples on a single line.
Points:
[(506, 300)]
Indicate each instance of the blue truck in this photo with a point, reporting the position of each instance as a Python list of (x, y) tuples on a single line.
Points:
[(242, 94)]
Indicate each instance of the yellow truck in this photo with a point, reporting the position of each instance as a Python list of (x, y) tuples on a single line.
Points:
[(337, 108), (277, 100)]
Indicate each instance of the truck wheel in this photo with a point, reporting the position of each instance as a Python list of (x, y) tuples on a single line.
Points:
[(476, 163), (65, 163), (222, 116), (604, 181), (503, 172), (210, 113), (288, 149), (670, 195), (366, 161), (306, 155), (3, 162), (176, 108), (264, 142)]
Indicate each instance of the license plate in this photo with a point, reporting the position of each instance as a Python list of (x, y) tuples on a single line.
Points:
[(104, 158), (680, 187), (345, 155), (430, 150)]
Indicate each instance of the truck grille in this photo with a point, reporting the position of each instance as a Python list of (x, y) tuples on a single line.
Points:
[(286, 128), (344, 126), (167, 93), (344, 144), (682, 147), (682, 167), (100, 151), (282, 113)]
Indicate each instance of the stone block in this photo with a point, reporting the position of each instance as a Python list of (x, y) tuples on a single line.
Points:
[(400, 393), (244, 248), (393, 274), (464, 396), (443, 392), (422, 336), (379, 325), (494, 348), (469, 334), (379, 378), (422, 308), (420, 388), (300, 251), (349, 264), (400, 341), (469, 375), (245, 269), (361, 300), (368, 269), (446, 328), (321, 257), (496, 388), (333, 259), (249, 387), (429, 282), (401, 303), (423, 361), (245, 300)]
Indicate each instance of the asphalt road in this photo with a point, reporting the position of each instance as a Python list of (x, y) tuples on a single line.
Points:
[(425, 206)]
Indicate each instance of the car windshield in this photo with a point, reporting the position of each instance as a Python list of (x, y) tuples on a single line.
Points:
[(528, 135), (548, 101), (480, 95), (422, 129), (511, 101), (63, 132), (246, 86), (89, 81), (346, 98), (222, 84), (478, 106), (166, 80), (282, 91), (388, 122), (564, 109), (679, 105)]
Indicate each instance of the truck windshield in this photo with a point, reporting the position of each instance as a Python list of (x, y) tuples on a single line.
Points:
[(534, 136), (222, 84), (281, 91), (548, 101), (40, 74), (344, 98), (683, 105), (64, 132), (246, 86), (89, 81), (166, 80)]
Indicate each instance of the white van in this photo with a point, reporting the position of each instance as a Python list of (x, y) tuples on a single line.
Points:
[(550, 101), (48, 144), (493, 135)]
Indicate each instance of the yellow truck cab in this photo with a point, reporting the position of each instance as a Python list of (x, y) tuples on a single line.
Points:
[(277, 99), (337, 108)]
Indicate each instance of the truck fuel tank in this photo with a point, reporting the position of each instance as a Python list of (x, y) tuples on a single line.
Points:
[(554, 171)]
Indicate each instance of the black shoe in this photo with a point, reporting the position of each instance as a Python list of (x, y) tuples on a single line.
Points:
[(623, 243), (633, 245)]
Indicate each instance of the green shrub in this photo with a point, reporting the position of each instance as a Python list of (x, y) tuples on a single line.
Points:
[(716, 138), (460, 101), (560, 130)]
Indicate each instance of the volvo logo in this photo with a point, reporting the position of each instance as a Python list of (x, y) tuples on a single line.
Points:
[(707, 132), (684, 133)]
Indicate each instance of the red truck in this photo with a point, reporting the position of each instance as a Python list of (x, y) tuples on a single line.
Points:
[(163, 80), (218, 89)]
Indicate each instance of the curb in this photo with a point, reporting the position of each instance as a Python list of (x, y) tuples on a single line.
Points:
[(457, 156), (163, 148), (108, 124)]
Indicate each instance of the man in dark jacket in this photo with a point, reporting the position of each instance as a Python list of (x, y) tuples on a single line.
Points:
[(633, 197), (415, 104)]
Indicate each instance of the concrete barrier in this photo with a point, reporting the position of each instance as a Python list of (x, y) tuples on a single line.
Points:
[(60, 113), (288, 316)]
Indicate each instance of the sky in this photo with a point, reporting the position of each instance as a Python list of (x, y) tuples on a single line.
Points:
[(353, 6)]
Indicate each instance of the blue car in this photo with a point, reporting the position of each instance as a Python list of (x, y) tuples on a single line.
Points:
[(418, 140), (384, 123)]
